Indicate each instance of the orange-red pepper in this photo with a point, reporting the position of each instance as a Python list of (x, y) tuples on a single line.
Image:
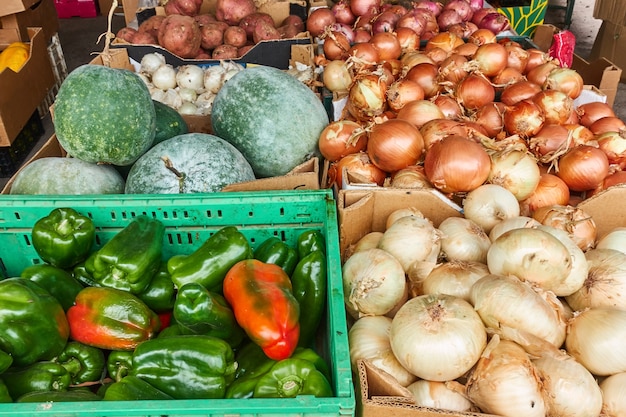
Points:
[(264, 305)]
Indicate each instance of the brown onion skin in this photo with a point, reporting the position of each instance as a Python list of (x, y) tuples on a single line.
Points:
[(555, 105), (474, 91), (318, 20), (590, 112), (456, 164), (491, 117), (356, 163), (387, 44), (550, 139), (583, 168), (550, 191), (340, 138), (616, 178), (524, 118), (516, 92), (394, 144), (403, 91), (425, 74), (607, 124), (419, 112)]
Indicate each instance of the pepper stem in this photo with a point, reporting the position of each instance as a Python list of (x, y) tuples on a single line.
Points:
[(290, 386)]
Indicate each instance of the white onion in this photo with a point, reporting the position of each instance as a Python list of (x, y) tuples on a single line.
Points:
[(205, 102), (191, 77), (373, 282), (151, 62), (411, 239), (595, 338), (615, 239), (569, 388), (489, 204), (605, 283), (532, 255), (515, 170), (614, 395), (448, 395), (188, 107), (580, 267), (172, 98), (516, 222), (187, 94), (402, 212), (214, 78), (164, 77), (505, 382), (454, 278), (437, 337), (368, 338), (368, 241), (463, 240), (508, 306)]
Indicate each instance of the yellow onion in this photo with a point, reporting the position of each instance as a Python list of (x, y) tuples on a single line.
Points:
[(504, 302), (463, 240), (454, 278), (369, 339), (532, 255), (489, 204), (402, 212), (614, 395), (373, 282), (411, 239), (505, 382), (569, 388), (615, 239), (605, 283), (595, 338), (515, 170), (449, 395), (511, 223), (573, 220), (437, 337)]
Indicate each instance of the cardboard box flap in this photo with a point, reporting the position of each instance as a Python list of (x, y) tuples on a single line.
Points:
[(118, 59), (303, 177), (596, 207), (610, 10), (381, 384), (362, 211), (15, 6)]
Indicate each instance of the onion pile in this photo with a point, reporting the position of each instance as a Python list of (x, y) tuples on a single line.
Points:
[(506, 112), (530, 323)]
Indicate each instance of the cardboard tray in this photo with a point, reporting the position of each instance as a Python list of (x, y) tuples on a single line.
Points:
[(22, 92)]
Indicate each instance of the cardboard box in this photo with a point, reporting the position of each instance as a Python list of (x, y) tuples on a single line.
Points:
[(600, 71), (610, 43), (613, 11), (15, 6), (302, 177), (23, 91), (42, 14), (524, 19)]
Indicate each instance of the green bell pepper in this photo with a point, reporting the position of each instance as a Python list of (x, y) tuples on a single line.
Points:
[(161, 293), (309, 283), (186, 367), (6, 361), (64, 237), (33, 325), (59, 396), (274, 251), (119, 364), (131, 258), (84, 363), (80, 274), (200, 311), (131, 388), (208, 264), (58, 282), (291, 377), (40, 376), (309, 241), (5, 397)]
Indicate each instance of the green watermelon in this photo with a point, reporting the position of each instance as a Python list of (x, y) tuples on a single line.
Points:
[(169, 123), (271, 117), (188, 163), (104, 115), (67, 176)]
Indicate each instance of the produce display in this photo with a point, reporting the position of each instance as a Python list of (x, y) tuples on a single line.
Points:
[(119, 320), (227, 33), (520, 318)]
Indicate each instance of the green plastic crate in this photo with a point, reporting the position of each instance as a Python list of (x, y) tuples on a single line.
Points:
[(189, 221)]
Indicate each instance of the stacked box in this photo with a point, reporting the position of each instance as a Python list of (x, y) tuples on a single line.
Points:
[(42, 14), (11, 157), (189, 221)]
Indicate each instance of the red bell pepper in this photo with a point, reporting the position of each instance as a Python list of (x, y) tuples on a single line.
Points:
[(264, 305), (112, 319)]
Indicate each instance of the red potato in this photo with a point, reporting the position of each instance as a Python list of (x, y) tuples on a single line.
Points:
[(288, 31), (265, 32), (212, 35), (126, 33), (144, 38), (235, 36), (180, 35), (249, 22), (225, 52), (151, 25), (202, 54), (244, 49), (205, 18), (183, 7), (232, 11), (294, 20)]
